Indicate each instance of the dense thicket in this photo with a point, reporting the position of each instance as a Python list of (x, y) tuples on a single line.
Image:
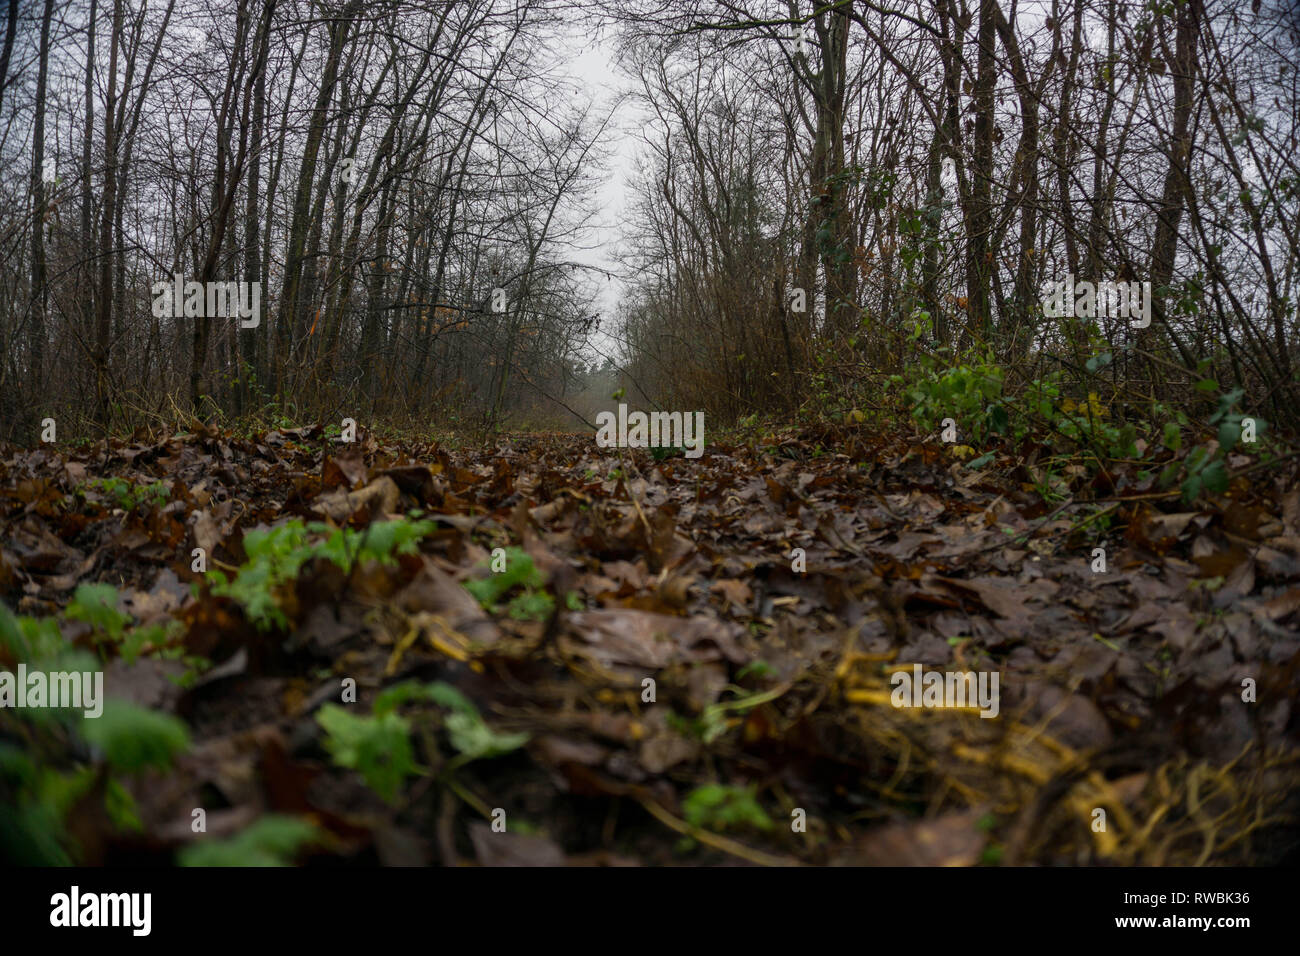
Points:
[(378, 168), (923, 171), (826, 193)]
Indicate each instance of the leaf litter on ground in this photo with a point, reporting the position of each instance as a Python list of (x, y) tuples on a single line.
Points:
[(653, 678)]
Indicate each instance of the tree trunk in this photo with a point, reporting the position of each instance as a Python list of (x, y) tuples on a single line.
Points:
[(978, 254), (104, 316), (36, 337), (1177, 181), (11, 29), (291, 319)]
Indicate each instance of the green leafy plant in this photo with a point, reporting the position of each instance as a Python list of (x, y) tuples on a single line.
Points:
[(273, 840), (1205, 470), (723, 807), (31, 824), (276, 555), (376, 746), (126, 495), (971, 393), (531, 604), (96, 604), (133, 739), (467, 730), (40, 643), (113, 629), (37, 786)]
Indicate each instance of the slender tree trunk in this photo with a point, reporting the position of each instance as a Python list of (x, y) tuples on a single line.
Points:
[(1063, 146), (104, 317), (37, 333), (11, 30), (292, 320), (248, 355), (87, 159), (930, 256), (370, 337), (1027, 168), (979, 263), (1177, 179)]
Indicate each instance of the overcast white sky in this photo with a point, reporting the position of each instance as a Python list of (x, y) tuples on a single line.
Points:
[(591, 63)]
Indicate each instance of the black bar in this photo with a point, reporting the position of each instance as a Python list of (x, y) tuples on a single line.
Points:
[(643, 906)]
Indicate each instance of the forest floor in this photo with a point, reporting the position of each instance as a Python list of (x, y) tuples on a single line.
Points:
[(677, 661)]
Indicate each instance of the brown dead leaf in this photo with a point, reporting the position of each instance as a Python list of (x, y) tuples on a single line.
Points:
[(953, 839)]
